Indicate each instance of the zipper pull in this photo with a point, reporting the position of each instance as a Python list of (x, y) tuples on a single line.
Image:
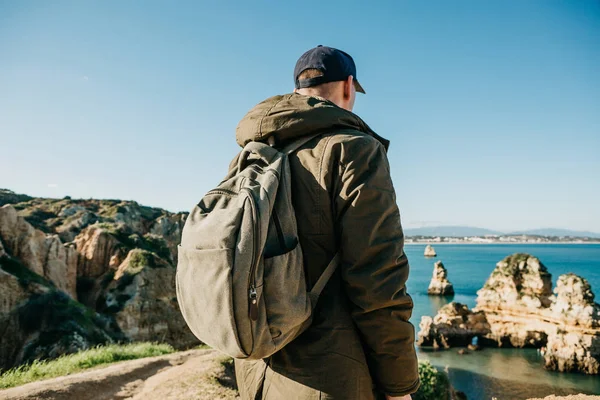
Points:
[(253, 304)]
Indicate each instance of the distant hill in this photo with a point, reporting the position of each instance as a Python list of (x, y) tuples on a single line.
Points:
[(462, 231), (557, 232), (456, 231)]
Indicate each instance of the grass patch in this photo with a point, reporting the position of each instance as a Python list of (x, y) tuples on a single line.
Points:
[(86, 359)]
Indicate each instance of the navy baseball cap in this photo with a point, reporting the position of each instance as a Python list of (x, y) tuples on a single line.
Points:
[(335, 64)]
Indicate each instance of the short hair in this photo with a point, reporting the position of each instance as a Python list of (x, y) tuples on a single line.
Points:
[(322, 90)]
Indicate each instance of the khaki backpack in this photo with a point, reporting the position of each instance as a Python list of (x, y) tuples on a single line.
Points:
[(240, 273)]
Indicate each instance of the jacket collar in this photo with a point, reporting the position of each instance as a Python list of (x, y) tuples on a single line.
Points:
[(291, 116)]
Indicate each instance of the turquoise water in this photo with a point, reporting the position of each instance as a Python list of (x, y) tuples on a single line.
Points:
[(503, 373)]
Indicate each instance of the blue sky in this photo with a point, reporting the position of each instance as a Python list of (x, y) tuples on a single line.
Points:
[(492, 107)]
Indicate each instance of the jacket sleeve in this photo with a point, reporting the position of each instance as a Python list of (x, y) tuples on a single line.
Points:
[(374, 267)]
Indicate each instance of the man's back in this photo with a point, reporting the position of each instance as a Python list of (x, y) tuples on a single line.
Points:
[(344, 200)]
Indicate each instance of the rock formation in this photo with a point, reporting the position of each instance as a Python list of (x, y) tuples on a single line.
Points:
[(518, 287), (454, 325), (118, 260), (429, 251), (440, 285), (575, 344), (98, 252), (521, 310), (142, 297), (43, 254)]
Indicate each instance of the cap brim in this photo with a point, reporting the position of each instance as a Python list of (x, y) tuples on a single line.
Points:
[(358, 87)]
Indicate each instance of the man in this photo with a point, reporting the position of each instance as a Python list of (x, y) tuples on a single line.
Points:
[(360, 345)]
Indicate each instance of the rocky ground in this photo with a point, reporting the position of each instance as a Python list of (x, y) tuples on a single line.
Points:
[(518, 308)]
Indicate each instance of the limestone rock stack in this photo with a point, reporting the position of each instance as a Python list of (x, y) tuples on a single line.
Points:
[(429, 251), (517, 308), (518, 287), (440, 285), (575, 344)]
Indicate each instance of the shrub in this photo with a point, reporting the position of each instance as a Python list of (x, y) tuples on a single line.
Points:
[(434, 384)]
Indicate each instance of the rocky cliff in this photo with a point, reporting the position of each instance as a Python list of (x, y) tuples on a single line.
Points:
[(517, 308), (440, 285), (84, 272)]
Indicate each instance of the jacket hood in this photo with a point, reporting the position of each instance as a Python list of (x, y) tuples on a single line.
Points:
[(291, 116)]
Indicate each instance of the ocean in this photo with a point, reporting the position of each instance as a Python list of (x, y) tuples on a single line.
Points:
[(507, 374)]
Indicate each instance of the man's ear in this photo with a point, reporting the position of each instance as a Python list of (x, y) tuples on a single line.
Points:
[(348, 83)]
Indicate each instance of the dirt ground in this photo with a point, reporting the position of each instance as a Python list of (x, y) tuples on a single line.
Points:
[(194, 374)]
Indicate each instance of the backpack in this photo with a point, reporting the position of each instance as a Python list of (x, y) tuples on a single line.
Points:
[(240, 272)]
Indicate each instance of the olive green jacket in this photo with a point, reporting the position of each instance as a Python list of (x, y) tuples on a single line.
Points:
[(360, 343)]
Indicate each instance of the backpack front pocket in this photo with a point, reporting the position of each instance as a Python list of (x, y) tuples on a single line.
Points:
[(208, 309)]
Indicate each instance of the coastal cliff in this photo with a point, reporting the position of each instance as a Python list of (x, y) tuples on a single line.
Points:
[(517, 308), (77, 273)]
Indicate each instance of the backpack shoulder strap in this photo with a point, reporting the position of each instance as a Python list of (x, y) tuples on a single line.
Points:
[(328, 273), (323, 279)]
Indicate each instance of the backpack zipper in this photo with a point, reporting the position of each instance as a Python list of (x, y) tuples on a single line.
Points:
[(225, 192), (252, 295)]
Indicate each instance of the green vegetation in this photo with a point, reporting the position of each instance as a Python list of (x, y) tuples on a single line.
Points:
[(434, 384), (150, 212), (10, 197), (60, 322), (138, 259), (22, 273), (72, 363), (38, 218)]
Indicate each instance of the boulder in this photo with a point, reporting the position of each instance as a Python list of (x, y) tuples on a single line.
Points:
[(440, 285), (429, 251)]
